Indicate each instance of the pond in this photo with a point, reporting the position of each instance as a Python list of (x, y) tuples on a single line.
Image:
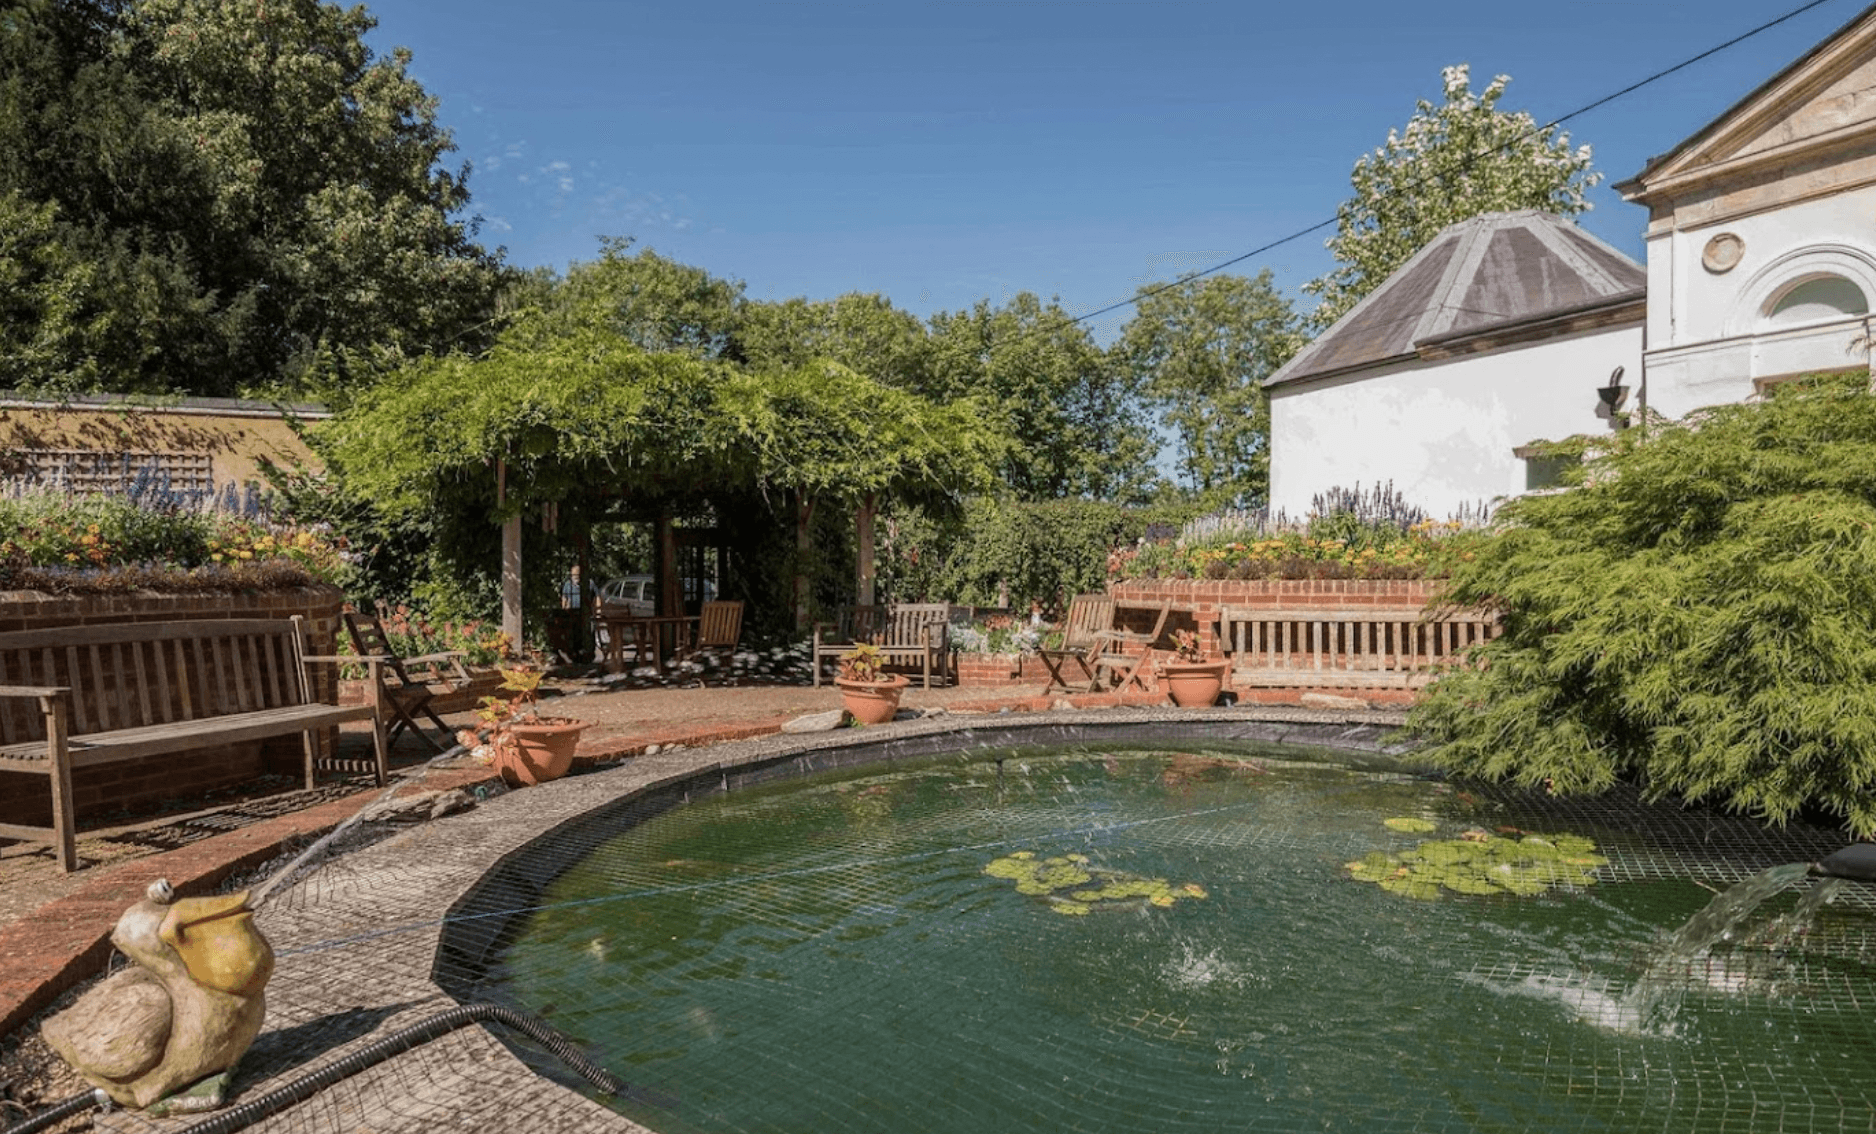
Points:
[(1192, 937)]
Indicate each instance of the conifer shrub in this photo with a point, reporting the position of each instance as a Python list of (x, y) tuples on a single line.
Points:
[(1698, 616)]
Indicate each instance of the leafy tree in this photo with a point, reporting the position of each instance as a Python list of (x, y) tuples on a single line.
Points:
[(243, 196), (858, 330), (653, 303), (1076, 420), (1452, 161), (995, 551), (1201, 351), (1699, 616)]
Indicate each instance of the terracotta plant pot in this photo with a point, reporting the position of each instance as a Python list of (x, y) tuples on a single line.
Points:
[(872, 702), (543, 750), (1193, 685)]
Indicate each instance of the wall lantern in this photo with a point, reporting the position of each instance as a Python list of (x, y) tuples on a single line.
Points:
[(1610, 399)]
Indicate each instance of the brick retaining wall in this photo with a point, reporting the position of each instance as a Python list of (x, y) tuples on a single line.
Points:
[(100, 792)]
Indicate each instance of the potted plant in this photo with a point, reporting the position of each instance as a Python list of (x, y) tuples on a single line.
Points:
[(870, 697), (1193, 678), (525, 747)]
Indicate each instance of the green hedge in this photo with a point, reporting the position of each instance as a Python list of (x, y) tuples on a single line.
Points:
[(991, 550)]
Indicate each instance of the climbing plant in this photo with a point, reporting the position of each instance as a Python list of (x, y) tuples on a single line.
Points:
[(580, 421)]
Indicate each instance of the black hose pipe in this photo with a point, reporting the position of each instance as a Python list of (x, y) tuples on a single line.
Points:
[(245, 1114), (60, 1111), (1856, 862)]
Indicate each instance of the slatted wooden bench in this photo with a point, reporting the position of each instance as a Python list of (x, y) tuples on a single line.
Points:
[(907, 633), (81, 696), (1357, 647)]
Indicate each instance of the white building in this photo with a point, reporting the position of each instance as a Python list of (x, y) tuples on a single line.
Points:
[(1761, 265), (1499, 332)]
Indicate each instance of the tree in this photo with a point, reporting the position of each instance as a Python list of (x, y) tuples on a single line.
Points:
[(654, 303), (1201, 351), (248, 196), (862, 331), (1077, 422), (1453, 161), (1699, 616)]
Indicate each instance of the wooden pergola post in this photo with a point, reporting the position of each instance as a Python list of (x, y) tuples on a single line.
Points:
[(670, 587), (863, 536), (511, 562), (804, 548)]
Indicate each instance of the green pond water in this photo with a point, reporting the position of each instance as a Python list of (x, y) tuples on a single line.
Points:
[(895, 951)]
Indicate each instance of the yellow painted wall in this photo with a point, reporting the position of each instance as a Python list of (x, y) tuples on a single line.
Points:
[(236, 435)]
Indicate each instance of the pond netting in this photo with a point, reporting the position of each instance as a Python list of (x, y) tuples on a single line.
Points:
[(1174, 936)]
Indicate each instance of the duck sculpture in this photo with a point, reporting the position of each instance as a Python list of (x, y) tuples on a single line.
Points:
[(184, 1012)]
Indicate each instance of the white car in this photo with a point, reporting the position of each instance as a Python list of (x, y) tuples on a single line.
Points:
[(637, 593)]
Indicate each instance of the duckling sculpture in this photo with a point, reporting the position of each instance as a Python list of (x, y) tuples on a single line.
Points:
[(187, 1009)]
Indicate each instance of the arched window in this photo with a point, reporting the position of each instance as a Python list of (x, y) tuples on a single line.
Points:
[(1816, 300)]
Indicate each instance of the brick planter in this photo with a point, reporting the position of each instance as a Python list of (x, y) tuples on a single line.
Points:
[(1198, 601), (998, 669), (100, 791)]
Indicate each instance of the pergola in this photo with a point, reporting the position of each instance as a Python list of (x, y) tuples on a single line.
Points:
[(572, 422)]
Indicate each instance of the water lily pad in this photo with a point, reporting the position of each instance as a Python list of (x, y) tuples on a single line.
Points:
[(1047, 877), (1477, 865), (1409, 825)]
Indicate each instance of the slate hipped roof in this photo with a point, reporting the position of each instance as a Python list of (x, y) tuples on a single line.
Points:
[(1487, 274)]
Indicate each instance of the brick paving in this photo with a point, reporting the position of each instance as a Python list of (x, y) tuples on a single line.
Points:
[(357, 937)]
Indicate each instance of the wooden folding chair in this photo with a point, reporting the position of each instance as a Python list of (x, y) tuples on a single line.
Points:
[(1089, 617), (719, 628), (1121, 653), (401, 691)]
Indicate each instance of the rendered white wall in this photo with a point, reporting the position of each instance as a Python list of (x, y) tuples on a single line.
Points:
[(1708, 337), (1443, 431)]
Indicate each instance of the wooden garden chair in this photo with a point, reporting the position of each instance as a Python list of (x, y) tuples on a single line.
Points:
[(1089, 617), (1121, 653), (405, 683), (719, 629)]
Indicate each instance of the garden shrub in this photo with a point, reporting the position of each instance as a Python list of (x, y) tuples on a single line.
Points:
[(1004, 553), (1699, 616)]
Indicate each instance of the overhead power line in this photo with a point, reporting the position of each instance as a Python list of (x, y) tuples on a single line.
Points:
[(1535, 132)]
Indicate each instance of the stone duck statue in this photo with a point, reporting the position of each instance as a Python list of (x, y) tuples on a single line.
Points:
[(187, 1009)]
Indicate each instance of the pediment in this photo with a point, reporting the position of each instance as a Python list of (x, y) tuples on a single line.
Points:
[(1824, 99), (1847, 100)]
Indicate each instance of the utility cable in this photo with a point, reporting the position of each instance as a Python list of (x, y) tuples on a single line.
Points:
[(1534, 132)]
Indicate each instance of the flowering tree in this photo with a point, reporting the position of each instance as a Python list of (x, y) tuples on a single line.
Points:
[(1451, 162)]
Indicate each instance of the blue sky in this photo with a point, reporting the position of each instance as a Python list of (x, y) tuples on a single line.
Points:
[(941, 153)]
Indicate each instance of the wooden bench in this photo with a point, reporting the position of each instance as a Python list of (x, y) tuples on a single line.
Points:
[(1357, 647), (81, 696), (907, 633)]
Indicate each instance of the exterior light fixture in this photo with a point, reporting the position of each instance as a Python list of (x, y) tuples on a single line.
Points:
[(1611, 398)]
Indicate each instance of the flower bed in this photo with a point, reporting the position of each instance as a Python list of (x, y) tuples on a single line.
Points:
[(1419, 552), (56, 543)]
